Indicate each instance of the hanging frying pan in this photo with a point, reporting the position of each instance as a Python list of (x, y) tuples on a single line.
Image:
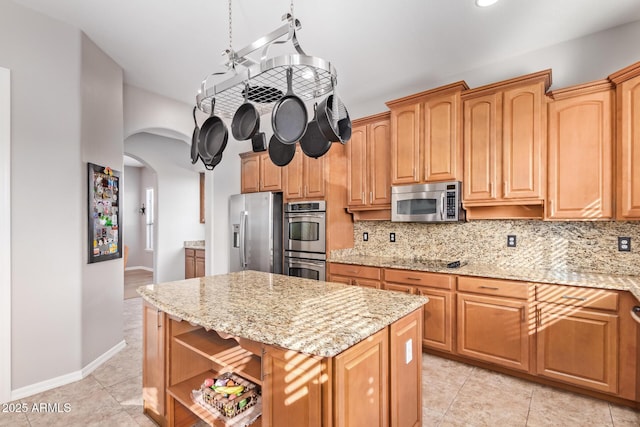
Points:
[(246, 120), (194, 140), (280, 153), (214, 133), (314, 143), (213, 162), (289, 115), (337, 132)]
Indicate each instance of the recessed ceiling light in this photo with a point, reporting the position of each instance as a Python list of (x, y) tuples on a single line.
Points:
[(485, 3)]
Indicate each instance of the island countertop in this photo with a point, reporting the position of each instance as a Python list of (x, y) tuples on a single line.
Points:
[(308, 316)]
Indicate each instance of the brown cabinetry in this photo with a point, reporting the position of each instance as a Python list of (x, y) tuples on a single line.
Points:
[(194, 263), (358, 275), (258, 173), (368, 177), (153, 377), (493, 321), (304, 177), (581, 153), (505, 147), (426, 137), (627, 83)]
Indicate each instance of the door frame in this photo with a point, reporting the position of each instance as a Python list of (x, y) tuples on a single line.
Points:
[(5, 230)]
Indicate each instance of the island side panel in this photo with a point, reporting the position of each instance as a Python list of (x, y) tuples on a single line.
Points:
[(405, 348)]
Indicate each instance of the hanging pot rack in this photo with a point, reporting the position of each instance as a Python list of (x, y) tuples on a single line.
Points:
[(265, 80)]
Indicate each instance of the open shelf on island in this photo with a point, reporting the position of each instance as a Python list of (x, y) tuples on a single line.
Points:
[(182, 393), (226, 353)]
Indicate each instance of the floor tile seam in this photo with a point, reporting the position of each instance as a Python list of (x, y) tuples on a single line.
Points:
[(444, 415)]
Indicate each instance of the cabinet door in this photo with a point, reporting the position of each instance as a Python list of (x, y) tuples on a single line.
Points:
[(481, 148), (153, 377), (442, 138), (199, 263), (340, 279), (357, 167), (293, 180), (628, 93), (438, 319), (249, 174), (580, 157), (270, 174), (494, 330), (405, 144), (314, 177), (523, 142), (379, 174), (367, 283), (578, 346), (291, 388), (405, 399), (189, 263), (399, 287), (361, 375)]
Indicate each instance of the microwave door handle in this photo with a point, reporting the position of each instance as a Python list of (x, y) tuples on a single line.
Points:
[(243, 232), (442, 206)]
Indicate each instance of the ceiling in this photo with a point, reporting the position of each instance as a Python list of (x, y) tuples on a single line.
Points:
[(382, 46)]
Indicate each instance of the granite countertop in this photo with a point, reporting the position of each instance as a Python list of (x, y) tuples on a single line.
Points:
[(558, 277), (194, 244), (308, 316)]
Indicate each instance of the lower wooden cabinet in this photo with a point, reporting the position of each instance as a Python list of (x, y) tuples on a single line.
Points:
[(439, 318), (361, 375), (194, 263), (358, 275), (153, 375), (491, 326)]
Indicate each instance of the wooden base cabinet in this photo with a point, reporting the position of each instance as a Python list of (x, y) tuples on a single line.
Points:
[(358, 275), (194, 263), (153, 353)]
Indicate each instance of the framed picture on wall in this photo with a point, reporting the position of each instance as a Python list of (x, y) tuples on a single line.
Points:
[(105, 232)]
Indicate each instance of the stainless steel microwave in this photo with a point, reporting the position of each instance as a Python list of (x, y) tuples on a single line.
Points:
[(432, 202)]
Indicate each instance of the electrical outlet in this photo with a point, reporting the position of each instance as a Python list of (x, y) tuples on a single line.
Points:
[(624, 244), (392, 237), (511, 241), (365, 236)]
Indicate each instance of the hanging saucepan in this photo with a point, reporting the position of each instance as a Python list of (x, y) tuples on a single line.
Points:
[(194, 140), (337, 132), (214, 133), (280, 153), (289, 115), (259, 142), (246, 120), (314, 143)]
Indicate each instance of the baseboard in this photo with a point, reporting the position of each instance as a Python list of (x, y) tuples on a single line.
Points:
[(138, 267), (69, 378)]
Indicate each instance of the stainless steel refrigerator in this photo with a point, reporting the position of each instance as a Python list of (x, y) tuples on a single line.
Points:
[(256, 232)]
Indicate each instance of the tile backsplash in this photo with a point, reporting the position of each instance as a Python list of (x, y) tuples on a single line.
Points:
[(573, 246)]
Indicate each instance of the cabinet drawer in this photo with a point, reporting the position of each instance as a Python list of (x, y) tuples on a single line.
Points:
[(410, 277), (189, 252), (502, 288), (577, 296), (359, 271), (199, 253)]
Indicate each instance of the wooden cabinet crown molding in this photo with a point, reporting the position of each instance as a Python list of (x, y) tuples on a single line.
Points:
[(626, 73), (544, 75), (362, 121), (417, 97), (581, 89)]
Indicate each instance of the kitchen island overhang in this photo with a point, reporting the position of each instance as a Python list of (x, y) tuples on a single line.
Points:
[(361, 341)]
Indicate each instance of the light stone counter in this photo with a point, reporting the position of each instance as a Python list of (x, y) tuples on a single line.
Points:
[(194, 244), (558, 277), (308, 316)]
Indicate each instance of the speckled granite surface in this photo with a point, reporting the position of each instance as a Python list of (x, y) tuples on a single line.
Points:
[(524, 273), (194, 244), (308, 316)]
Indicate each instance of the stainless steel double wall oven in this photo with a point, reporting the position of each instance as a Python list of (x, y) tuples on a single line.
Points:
[(305, 251)]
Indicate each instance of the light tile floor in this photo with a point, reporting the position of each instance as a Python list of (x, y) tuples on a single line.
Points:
[(454, 394)]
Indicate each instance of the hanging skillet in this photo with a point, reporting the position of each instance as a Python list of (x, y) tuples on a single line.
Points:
[(194, 140), (314, 143), (280, 153), (213, 135), (289, 115), (246, 120)]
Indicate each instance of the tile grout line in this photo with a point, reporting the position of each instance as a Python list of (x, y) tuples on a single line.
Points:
[(473, 370), (533, 391)]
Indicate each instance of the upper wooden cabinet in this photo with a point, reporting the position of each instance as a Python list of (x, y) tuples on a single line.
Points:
[(505, 145), (581, 152), (368, 174), (627, 83), (426, 142), (258, 173), (304, 177)]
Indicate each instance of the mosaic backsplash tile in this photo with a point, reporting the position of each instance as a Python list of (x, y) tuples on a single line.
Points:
[(573, 246)]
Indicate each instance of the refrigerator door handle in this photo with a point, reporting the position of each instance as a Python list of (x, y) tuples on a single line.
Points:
[(243, 230)]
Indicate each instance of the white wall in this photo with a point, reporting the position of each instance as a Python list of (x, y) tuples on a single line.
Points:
[(178, 200), (131, 218), (148, 179)]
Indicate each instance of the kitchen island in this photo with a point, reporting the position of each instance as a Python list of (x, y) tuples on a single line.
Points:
[(322, 354)]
